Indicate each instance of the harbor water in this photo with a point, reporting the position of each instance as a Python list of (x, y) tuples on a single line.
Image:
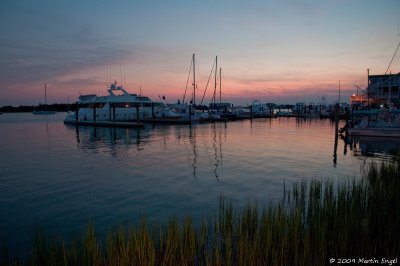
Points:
[(59, 177)]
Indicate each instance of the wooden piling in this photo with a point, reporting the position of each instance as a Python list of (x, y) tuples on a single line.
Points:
[(77, 113), (336, 133)]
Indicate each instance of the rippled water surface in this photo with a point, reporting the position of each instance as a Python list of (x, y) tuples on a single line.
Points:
[(59, 177)]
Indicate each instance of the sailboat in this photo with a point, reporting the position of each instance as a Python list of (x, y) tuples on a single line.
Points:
[(45, 111)]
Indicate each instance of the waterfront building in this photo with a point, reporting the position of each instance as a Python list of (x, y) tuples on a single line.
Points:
[(384, 89)]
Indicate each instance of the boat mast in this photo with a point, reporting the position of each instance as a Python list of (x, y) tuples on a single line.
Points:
[(45, 97), (194, 82), (368, 88), (220, 85), (339, 92), (215, 81)]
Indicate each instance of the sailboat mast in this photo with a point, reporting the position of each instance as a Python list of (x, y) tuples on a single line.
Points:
[(194, 82), (215, 81), (220, 85), (45, 97), (339, 92)]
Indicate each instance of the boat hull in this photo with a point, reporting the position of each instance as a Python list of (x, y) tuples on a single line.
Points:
[(375, 132)]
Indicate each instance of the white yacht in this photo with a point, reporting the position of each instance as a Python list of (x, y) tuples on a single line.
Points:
[(118, 105)]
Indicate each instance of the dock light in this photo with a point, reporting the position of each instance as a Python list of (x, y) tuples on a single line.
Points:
[(354, 95)]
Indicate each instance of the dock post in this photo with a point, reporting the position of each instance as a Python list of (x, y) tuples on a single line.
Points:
[(94, 113), (76, 113), (251, 112), (336, 133), (152, 110), (271, 110), (137, 114), (109, 112), (190, 113), (113, 108)]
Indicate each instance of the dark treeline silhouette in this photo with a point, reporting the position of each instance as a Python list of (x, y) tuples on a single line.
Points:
[(63, 107), (58, 107)]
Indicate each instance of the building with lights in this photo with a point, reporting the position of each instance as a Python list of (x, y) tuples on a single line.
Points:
[(384, 89)]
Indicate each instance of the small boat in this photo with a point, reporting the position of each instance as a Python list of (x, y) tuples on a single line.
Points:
[(45, 111)]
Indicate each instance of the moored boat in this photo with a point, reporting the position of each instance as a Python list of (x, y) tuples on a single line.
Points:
[(118, 106), (376, 123)]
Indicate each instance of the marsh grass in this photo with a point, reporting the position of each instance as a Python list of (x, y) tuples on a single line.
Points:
[(312, 223)]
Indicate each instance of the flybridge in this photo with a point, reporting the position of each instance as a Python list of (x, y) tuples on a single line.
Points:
[(114, 88)]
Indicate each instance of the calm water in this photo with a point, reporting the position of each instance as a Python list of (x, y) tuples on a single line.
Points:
[(60, 177)]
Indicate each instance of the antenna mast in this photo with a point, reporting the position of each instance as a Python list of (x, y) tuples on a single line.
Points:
[(124, 78), (45, 97)]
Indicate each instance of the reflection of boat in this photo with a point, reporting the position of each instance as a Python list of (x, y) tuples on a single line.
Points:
[(45, 111), (107, 140), (374, 146), (120, 106), (375, 132), (376, 123)]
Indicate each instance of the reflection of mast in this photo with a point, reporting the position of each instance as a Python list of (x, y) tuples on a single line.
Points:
[(216, 157), (192, 137), (337, 110), (217, 151)]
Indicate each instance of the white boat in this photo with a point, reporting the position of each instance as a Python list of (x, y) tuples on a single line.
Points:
[(45, 111), (393, 132), (118, 106), (378, 123)]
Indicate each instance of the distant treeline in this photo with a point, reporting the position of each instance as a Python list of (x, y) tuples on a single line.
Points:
[(63, 107), (58, 107)]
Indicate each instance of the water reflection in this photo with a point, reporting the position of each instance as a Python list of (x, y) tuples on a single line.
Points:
[(202, 144), (217, 145), (382, 148), (109, 140), (197, 146), (192, 138)]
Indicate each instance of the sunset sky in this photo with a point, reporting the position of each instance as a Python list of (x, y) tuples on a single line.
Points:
[(273, 51)]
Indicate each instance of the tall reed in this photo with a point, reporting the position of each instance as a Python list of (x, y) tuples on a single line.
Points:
[(313, 223)]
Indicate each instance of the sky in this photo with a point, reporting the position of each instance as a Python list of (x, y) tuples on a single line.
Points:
[(272, 51)]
